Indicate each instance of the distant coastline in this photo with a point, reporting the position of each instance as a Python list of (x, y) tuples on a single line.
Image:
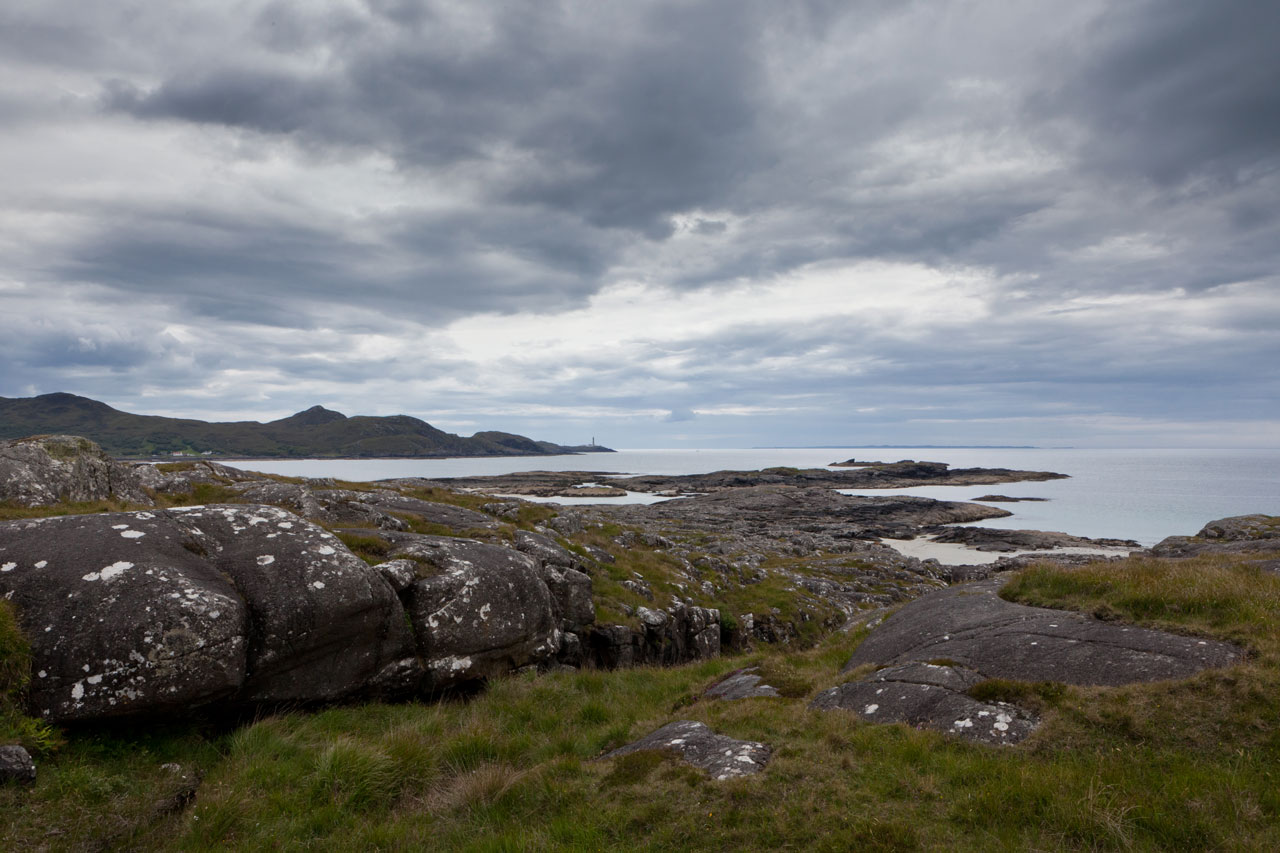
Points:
[(901, 447)]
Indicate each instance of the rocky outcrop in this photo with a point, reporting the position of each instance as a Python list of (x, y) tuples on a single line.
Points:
[(719, 756), (156, 612), (681, 633), (890, 475), (971, 625), (478, 610), (379, 508), (1241, 534), (997, 540), (929, 696), (49, 469), (940, 645)]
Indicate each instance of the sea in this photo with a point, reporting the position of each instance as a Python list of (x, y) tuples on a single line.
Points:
[(1138, 494)]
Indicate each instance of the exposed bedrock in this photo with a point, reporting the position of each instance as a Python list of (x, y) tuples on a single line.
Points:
[(1241, 534), (993, 539), (941, 644), (158, 611)]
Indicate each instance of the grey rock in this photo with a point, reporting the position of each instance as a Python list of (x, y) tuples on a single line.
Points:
[(743, 684), (1243, 534), (16, 766), (995, 539), (546, 549), (485, 612), (971, 625), (929, 696), (566, 523), (719, 756), (158, 611), (45, 470), (398, 573), (570, 597)]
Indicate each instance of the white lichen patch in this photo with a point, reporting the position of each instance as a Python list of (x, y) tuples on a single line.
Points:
[(317, 584), (871, 709), (8, 567), (112, 571), (39, 565), (326, 550), (119, 527), (132, 534), (266, 560)]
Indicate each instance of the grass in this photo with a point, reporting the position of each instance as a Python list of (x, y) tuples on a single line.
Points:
[(1185, 765), (517, 768)]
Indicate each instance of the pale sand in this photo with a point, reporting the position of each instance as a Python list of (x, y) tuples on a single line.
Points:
[(951, 554)]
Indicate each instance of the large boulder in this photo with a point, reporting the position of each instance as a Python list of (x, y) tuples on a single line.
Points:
[(478, 610), (49, 469), (155, 612)]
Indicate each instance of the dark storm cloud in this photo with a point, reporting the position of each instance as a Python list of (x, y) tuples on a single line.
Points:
[(1175, 91), (529, 156)]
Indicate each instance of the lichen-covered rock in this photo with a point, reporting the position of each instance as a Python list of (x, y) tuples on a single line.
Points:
[(929, 696), (679, 634), (972, 625), (544, 548), (719, 756), (486, 610), (48, 469), (158, 611), (16, 766), (743, 684), (571, 597)]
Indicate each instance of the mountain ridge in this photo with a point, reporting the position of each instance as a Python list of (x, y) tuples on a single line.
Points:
[(313, 432)]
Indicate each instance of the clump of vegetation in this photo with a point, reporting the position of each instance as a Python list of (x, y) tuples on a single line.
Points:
[(15, 673)]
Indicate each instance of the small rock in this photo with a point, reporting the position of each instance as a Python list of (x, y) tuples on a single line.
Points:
[(16, 766), (719, 756)]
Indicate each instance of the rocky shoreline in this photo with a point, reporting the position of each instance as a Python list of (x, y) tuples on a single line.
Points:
[(220, 588)]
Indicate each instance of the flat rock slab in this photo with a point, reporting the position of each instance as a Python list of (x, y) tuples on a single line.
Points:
[(929, 696), (719, 756), (972, 626), (743, 684)]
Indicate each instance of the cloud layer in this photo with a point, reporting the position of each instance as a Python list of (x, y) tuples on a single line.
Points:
[(653, 222)]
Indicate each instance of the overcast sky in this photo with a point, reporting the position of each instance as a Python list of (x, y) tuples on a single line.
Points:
[(656, 223)]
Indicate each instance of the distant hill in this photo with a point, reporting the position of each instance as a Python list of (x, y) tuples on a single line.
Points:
[(316, 432)]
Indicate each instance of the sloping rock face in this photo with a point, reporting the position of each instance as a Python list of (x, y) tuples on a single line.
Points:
[(156, 612), (49, 469), (972, 625), (930, 696), (719, 756), (981, 636)]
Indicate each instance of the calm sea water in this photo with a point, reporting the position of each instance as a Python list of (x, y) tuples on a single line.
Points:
[(1129, 494)]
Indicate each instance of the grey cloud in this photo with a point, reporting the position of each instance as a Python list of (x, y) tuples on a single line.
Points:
[(1177, 91)]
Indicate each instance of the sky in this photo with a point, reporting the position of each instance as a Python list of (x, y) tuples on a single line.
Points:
[(655, 224)]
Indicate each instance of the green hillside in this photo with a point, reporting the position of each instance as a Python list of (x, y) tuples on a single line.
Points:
[(316, 432)]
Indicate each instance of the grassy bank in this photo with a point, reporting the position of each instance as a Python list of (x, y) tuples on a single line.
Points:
[(1189, 765)]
